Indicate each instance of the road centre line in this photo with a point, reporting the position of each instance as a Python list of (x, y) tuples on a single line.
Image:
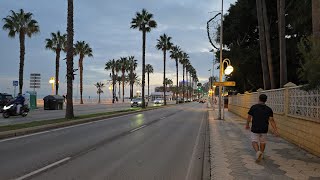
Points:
[(42, 169), (136, 129)]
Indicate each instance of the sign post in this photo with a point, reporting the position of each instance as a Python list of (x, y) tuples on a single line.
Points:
[(15, 84), (35, 80)]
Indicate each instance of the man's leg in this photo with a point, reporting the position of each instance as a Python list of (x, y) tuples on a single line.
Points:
[(18, 108), (263, 138), (255, 144)]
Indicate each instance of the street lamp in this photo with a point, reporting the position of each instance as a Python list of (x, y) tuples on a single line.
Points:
[(227, 71), (229, 68), (52, 81)]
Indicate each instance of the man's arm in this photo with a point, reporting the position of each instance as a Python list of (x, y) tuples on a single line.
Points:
[(274, 126), (248, 121)]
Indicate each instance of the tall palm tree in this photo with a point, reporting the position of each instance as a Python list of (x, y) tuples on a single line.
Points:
[(132, 65), (119, 80), (164, 44), (82, 49), (118, 69), (111, 65), (149, 69), (124, 68), (184, 60), (143, 22), (188, 67), (70, 53), (175, 54), (21, 23), (99, 86), (57, 44), (282, 42)]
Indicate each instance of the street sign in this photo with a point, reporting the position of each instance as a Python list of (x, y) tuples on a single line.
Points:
[(35, 80), (15, 83), (226, 83)]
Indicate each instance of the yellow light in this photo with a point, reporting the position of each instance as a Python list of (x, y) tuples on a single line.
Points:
[(52, 80), (110, 88), (228, 70)]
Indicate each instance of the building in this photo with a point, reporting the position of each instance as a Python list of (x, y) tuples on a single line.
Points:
[(155, 95)]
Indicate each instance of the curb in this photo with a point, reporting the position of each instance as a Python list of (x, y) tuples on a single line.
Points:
[(25, 131)]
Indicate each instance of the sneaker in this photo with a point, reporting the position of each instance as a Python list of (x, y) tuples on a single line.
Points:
[(262, 156), (258, 156)]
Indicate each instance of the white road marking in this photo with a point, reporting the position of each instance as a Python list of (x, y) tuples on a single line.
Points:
[(136, 129), (58, 129), (42, 169), (194, 151), (162, 118)]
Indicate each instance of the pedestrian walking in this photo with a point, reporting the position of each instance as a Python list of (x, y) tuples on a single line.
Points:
[(260, 114)]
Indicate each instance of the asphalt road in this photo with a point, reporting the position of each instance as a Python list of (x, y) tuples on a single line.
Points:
[(40, 114), (165, 143)]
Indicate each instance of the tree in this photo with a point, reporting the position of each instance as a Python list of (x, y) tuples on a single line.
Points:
[(118, 78), (70, 53), (111, 65), (21, 23), (164, 44), (57, 44), (184, 60), (124, 68), (132, 65), (149, 69), (175, 53), (282, 42), (99, 86), (315, 18), (143, 22), (82, 49)]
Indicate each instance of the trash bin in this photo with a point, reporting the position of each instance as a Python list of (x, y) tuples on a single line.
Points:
[(53, 102), (32, 97)]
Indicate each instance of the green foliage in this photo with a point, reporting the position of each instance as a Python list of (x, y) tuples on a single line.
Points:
[(241, 38), (310, 69)]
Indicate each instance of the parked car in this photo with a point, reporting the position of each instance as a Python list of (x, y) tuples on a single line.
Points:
[(138, 102), (158, 101), (4, 99), (202, 100)]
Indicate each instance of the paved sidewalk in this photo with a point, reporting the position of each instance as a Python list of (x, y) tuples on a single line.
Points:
[(232, 156)]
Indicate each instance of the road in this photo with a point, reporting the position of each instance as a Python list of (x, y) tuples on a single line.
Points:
[(40, 114), (166, 143)]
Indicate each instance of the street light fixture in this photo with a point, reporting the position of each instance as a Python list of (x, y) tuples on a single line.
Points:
[(52, 81)]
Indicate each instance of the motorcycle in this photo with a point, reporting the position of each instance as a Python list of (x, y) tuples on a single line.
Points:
[(10, 109)]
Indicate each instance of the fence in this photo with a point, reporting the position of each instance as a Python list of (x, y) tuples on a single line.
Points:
[(297, 113)]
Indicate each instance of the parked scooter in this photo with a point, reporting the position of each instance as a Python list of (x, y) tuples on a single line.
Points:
[(10, 109)]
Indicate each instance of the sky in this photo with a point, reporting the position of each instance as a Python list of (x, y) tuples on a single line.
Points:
[(105, 25)]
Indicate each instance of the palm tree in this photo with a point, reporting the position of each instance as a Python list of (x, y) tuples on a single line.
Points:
[(99, 85), (57, 44), (188, 67), (118, 69), (132, 65), (143, 22), (165, 45), (184, 60), (21, 23), (149, 69), (119, 80), (82, 49), (124, 68), (315, 18), (70, 53), (175, 54), (282, 42), (111, 65)]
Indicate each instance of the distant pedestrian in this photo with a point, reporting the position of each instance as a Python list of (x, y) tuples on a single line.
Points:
[(260, 115)]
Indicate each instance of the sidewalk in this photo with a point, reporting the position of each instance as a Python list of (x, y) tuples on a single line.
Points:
[(232, 156)]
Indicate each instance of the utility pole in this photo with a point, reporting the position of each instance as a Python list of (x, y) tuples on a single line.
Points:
[(221, 70)]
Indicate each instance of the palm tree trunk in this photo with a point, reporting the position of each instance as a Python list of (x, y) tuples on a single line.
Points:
[(69, 108), (177, 91), (262, 39), (22, 53), (315, 18), (99, 96), (282, 43), (57, 70), (164, 77), (267, 35), (183, 83), (81, 78), (143, 65), (122, 85), (113, 86), (119, 89), (148, 85), (187, 89)]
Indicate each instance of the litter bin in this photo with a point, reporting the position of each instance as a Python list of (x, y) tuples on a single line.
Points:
[(32, 96), (53, 102)]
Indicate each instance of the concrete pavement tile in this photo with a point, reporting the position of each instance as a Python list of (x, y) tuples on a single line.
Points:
[(297, 175), (315, 165), (280, 177), (311, 173), (303, 167), (253, 166), (296, 162), (258, 177), (258, 173)]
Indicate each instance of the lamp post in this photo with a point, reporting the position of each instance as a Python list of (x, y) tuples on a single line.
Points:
[(221, 69), (227, 71), (52, 81)]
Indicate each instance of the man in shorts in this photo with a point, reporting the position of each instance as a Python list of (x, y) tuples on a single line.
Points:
[(260, 115)]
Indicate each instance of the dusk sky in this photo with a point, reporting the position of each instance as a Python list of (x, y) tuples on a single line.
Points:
[(105, 25)]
